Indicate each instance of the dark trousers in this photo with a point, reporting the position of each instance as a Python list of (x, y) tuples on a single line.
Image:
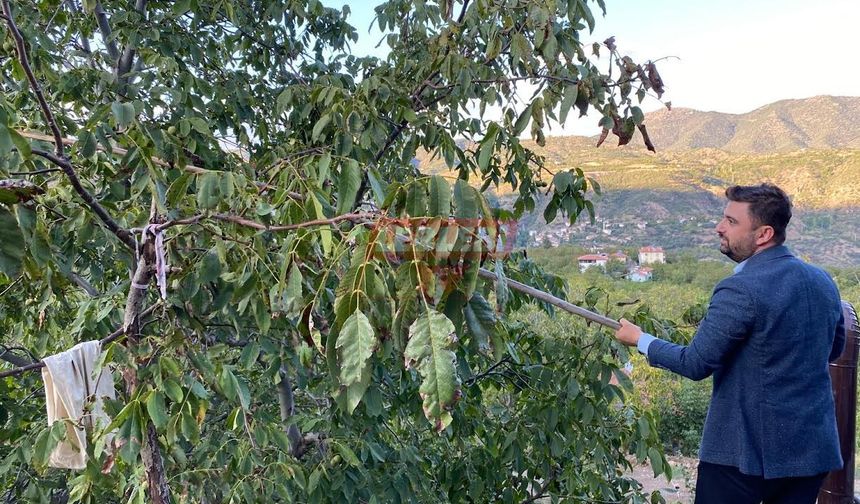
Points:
[(719, 484)]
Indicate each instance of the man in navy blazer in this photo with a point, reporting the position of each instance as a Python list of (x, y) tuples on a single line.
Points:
[(770, 330)]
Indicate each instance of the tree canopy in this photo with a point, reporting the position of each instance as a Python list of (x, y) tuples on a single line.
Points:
[(229, 198)]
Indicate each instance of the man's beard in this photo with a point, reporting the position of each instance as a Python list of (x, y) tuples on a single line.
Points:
[(737, 252)]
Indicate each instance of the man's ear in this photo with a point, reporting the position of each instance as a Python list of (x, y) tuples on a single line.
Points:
[(764, 234)]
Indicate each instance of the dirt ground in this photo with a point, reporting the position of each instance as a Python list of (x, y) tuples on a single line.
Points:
[(680, 489)]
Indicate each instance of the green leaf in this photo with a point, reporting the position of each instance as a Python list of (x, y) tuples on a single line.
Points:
[(481, 321), (208, 190), (323, 168), (487, 147), (210, 269), (570, 94), (638, 116), (173, 390), (378, 185), (156, 408), (5, 140), (348, 184), (656, 461), (229, 384), (465, 200), (440, 197), (199, 124), (21, 143), (86, 144), (346, 453), (123, 112), (293, 291), (356, 343), (324, 231), (431, 338), (249, 355), (562, 181), (178, 189), (320, 126), (416, 200), (523, 120), (11, 244)]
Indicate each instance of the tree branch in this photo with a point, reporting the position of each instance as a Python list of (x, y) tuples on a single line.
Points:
[(354, 217), (463, 12), (31, 78), (287, 404), (118, 151), (104, 341), (7, 355), (126, 61), (542, 490), (104, 28), (85, 43), (69, 170)]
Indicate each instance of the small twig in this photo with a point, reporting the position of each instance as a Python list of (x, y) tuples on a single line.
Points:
[(488, 372), (542, 490), (37, 172), (7, 289)]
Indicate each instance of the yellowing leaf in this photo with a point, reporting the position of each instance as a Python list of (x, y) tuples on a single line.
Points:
[(431, 338)]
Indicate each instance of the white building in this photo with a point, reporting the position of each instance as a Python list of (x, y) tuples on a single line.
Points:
[(588, 260), (640, 274), (651, 255)]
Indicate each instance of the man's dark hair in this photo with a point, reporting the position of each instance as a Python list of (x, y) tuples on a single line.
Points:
[(769, 206)]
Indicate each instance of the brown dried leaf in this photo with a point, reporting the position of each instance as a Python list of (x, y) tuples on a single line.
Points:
[(610, 43), (655, 80), (603, 136), (623, 130), (647, 139)]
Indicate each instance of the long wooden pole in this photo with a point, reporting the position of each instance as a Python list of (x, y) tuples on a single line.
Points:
[(549, 298)]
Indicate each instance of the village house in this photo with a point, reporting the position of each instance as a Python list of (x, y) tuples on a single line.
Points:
[(651, 255), (640, 274), (588, 260), (618, 256)]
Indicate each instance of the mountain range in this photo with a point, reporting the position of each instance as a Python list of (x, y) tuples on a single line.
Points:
[(821, 122), (671, 198)]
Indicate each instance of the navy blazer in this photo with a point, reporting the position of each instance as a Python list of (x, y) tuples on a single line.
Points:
[(767, 338)]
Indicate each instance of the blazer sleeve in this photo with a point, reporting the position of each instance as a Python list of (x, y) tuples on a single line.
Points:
[(839, 338), (728, 323)]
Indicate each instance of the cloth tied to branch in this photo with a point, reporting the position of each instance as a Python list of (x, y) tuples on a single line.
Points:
[(160, 259), (74, 394)]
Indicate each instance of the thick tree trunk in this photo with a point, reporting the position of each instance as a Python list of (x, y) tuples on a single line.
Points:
[(150, 453)]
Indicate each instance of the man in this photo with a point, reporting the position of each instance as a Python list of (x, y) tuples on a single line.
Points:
[(771, 329)]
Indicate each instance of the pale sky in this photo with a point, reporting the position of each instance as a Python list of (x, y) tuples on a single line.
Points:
[(732, 55)]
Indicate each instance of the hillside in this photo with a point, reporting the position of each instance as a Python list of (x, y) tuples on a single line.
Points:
[(672, 197), (821, 122)]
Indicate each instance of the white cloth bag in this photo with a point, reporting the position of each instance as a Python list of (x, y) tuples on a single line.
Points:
[(74, 394)]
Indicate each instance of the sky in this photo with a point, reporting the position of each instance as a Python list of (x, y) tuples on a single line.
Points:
[(727, 56)]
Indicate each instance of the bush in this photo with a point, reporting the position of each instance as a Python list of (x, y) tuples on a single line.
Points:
[(681, 417), (679, 405)]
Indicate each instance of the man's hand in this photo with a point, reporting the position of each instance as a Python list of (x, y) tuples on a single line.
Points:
[(629, 333)]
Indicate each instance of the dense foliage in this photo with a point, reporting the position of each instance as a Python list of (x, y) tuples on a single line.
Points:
[(225, 195)]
